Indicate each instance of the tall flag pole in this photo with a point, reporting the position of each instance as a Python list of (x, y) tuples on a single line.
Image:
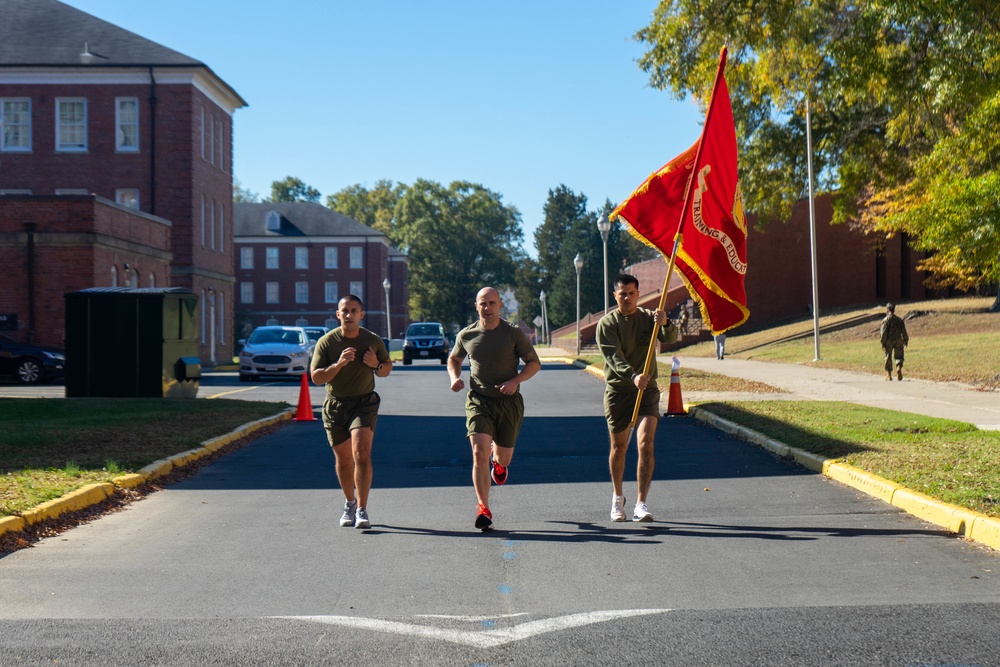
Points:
[(701, 185)]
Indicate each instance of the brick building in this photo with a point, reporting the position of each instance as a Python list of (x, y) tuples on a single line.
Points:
[(88, 108), (294, 261)]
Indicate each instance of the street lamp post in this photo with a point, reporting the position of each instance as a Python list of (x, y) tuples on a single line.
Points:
[(604, 226), (388, 322), (545, 319), (578, 263)]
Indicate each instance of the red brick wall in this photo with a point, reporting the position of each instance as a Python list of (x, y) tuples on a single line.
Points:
[(77, 240)]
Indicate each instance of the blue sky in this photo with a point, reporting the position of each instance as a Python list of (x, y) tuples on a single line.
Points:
[(520, 96)]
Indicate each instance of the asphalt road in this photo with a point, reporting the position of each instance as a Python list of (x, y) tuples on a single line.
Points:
[(751, 561)]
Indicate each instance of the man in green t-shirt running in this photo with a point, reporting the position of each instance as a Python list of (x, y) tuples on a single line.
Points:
[(494, 408), (623, 336), (347, 360)]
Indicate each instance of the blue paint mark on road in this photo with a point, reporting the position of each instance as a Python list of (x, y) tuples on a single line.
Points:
[(504, 589), (508, 554), (489, 623)]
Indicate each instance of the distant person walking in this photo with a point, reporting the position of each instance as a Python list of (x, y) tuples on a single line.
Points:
[(623, 336), (494, 408), (347, 360), (720, 346), (894, 338)]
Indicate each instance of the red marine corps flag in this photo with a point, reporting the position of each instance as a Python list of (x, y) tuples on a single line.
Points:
[(693, 204)]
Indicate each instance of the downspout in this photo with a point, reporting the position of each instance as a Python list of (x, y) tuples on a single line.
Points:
[(152, 142), (29, 228)]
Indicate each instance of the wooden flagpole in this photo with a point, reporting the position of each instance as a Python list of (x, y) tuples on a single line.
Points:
[(651, 352)]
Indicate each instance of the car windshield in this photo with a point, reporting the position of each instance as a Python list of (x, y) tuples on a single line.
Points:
[(314, 334), (424, 330), (286, 336)]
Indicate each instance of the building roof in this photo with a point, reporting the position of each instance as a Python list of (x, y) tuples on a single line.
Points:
[(50, 33), (297, 219)]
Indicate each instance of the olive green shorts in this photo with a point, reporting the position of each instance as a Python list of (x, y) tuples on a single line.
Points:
[(619, 406), (343, 415), (497, 417)]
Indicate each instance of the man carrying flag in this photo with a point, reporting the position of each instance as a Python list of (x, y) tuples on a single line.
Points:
[(623, 336)]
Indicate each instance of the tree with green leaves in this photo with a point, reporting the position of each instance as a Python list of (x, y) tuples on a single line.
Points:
[(458, 239), (375, 207), (292, 189), (895, 88), (243, 195)]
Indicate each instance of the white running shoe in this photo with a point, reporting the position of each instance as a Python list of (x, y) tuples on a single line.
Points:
[(617, 508), (350, 508), (361, 520), (641, 513)]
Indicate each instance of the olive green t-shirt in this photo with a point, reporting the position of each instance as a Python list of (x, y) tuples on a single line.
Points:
[(624, 342), (356, 378), (494, 355)]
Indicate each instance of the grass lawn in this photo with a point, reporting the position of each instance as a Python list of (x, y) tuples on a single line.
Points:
[(952, 461), (51, 446)]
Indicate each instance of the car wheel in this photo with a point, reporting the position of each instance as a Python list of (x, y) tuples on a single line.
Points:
[(247, 378), (30, 371)]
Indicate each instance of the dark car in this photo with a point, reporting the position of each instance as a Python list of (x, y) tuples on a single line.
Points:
[(30, 364), (425, 340)]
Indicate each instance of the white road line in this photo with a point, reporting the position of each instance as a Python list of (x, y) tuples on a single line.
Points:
[(484, 638)]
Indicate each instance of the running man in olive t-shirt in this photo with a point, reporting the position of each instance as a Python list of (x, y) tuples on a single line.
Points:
[(623, 335), (494, 408), (347, 360)]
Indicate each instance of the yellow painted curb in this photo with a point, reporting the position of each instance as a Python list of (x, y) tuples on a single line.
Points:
[(973, 525), (129, 481), (69, 502), (11, 524), (156, 469)]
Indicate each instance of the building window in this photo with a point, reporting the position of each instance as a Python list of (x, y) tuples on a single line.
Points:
[(356, 261), (114, 276), (302, 322), (203, 301), (272, 322), (218, 136), (246, 258), (330, 292), (222, 228), (203, 221), (302, 258), (15, 191), (301, 292), (211, 138), (211, 225), (270, 258), (152, 280), (357, 287), (203, 133), (246, 292), (15, 120), (271, 290), (330, 257), (71, 124), (128, 197), (222, 317), (72, 191), (127, 124), (272, 221), (331, 323)]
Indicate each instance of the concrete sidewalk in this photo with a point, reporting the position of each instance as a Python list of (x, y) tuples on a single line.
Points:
[(946, 400)]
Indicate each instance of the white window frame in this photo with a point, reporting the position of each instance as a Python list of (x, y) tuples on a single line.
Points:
[(271, 258), (15, 191), (114, 276), (222, 228), (330, 257), (211, 138), (72, 191), (204, 323), (301, 291), (202, 133), (330, 292), (246, 292), (357, 257), (357, 287), (7, 125), (127, 197), (272, 294), (222, 317), (211, 224), (79, 146), (152, 280), (246, 257), (218, 137), (301, 257), (272, 221), (122, 123)]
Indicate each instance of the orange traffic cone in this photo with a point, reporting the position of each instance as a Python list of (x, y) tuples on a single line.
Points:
[(675, 404), (305, 411)]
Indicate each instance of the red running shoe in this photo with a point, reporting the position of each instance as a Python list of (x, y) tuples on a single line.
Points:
[(497, 471), (484, 518)]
